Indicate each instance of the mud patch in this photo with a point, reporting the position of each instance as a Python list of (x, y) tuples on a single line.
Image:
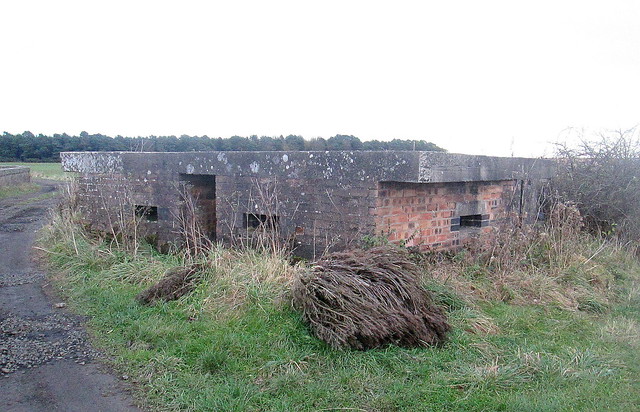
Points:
[(21, 218)]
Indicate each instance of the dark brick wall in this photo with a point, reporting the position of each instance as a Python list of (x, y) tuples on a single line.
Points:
[(313, 215), (108, 201)]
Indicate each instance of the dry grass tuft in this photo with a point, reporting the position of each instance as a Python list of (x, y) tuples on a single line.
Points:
[(235, 277), (369, 299), (622, 330), (555, 263)]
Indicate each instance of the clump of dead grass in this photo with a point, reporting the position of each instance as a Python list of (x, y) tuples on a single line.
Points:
[(174, 285), (368, 299)]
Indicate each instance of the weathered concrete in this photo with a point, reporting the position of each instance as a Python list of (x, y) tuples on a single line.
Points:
[(417, 167), (14, 175), (319, 200)]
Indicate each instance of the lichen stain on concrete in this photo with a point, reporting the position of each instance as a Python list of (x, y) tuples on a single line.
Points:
[(222, 158), (92, 162)]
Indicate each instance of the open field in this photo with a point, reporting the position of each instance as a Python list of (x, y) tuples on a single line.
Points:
[(237, 345), (51, 171)]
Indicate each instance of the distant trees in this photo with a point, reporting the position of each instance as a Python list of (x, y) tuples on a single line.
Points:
[(27, 147)]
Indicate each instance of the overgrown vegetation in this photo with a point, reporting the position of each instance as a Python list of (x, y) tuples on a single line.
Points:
[(602, 176), (552, 264), (548, 310)]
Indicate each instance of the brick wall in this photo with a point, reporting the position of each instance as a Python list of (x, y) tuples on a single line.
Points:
[(104, 200), (428, 215)]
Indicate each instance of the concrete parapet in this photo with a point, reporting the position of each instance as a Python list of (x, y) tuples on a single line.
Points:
[(396, 166), (14, 175)]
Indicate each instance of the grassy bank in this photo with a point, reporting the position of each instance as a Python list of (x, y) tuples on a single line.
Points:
[(548, 330)]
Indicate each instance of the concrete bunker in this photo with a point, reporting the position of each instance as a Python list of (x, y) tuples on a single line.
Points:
[(317, 201)]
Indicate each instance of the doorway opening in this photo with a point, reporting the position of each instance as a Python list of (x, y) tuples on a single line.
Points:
[(202, 189)]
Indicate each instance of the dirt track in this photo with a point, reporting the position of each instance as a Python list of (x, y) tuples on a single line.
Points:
[(46, 363)]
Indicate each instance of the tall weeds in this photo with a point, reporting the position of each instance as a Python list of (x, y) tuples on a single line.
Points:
[(190, 227), (262, 205), (551, 263), (231, 276), (555, 262)]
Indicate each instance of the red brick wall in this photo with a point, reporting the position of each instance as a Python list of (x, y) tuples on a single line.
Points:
[(426, 214)]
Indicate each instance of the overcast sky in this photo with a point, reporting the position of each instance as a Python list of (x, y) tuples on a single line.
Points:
[(478, 77)]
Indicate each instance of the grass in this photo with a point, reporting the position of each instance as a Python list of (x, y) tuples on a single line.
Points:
[(18, 190), (236, 344), (51, 171)]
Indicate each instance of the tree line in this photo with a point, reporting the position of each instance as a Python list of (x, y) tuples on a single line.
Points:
[(27, 147)]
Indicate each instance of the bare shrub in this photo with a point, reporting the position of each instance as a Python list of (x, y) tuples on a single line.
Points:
[(123, 221), (514, 246), (262, 205), (65, 217), (602, 177), (369, 299)]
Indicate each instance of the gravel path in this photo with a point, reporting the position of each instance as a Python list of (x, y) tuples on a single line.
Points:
[(46, 362)]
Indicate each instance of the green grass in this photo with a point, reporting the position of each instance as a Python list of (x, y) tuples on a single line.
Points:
[(236, 345), (18, 190), (51, 171)]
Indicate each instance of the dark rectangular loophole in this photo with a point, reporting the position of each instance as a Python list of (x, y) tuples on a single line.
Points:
[(150, 213), (255, 221), (471, 221)]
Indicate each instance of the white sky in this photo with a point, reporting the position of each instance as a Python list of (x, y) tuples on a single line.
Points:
[(479, 77)]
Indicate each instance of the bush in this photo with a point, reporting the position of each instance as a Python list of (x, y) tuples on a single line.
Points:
[(602, 176)]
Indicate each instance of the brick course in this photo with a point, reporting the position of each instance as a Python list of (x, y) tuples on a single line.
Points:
[(427, 215)]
